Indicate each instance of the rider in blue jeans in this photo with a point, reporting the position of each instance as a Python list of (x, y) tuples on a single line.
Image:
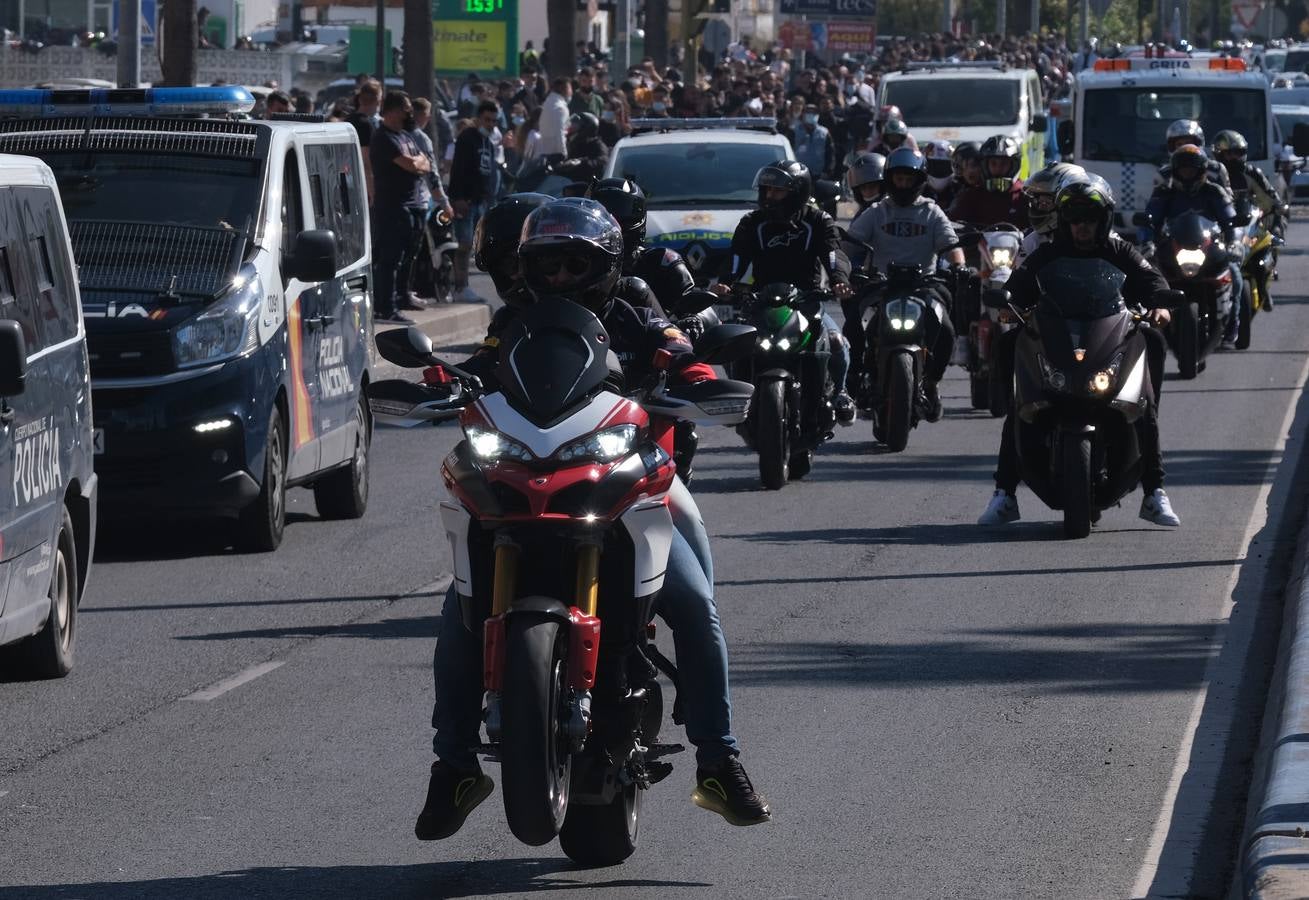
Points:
[(686, 601)]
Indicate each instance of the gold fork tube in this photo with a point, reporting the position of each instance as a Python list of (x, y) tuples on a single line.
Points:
[(505, 588), (588, 578)]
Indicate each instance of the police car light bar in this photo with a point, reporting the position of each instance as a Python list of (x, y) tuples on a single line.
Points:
[(995, 65), (670, 124), (161, 101), (1137, 63)]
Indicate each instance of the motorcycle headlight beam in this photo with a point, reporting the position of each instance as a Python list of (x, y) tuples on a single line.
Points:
[(603, 446), (492, 446)]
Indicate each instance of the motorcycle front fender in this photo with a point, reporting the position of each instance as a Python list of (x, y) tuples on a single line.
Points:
[(455, 519), (650, 525)]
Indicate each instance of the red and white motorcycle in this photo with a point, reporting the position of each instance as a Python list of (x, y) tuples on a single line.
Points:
[(558, 517), (998, 248)]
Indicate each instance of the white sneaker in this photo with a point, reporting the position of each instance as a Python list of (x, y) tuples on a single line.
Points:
[(1002, 510), (1156, 508), (468, 295), (959, 357)]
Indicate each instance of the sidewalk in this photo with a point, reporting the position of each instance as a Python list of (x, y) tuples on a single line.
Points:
[(455, 324)]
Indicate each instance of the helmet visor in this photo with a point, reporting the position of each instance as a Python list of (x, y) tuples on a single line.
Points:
[(1081, 213), (773, 178)]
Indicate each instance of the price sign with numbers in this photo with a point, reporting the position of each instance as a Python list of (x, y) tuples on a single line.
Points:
[(476, 36)]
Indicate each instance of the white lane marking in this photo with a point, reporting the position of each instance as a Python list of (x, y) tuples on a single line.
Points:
[(220, 688), (1145, 877)]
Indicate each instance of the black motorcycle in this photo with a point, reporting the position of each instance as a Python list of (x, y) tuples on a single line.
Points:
[(791, 413), (1081, 382), (1192, 255), (901, 315)]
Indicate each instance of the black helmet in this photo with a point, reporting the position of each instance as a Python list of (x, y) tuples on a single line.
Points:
[(1001, 146), (968, 151), (572, 249), (905, 160), (790, 176), (583, 126), (1084, 200), (1231, 148), (495, 244), (865, 168), (626, 203), (1188, 158)]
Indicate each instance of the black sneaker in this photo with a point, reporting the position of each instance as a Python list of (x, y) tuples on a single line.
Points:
[(451, 796), (844, 407), (727, 791), (932, 409), (395, 317)]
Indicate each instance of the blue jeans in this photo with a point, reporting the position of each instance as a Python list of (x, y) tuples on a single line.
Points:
[(686, 604), (1238, 288), (840, 364), (466, 227)]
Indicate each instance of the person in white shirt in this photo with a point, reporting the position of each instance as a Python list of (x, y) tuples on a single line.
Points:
[(554, 119)]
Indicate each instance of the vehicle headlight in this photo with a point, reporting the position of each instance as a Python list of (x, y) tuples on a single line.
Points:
[(1001, 258), (492, 446), (1104, 379), (903, 315), (784, 344), (1190, 261), (226, 329), (603, 446), (765, 344), (1053, 378)]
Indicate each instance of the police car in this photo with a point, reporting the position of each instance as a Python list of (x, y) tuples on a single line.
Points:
[(225, 276), (47, 483), (1122, 108), (698, 177), (971, 101)]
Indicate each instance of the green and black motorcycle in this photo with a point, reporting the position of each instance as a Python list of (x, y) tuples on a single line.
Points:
[(791, 412)]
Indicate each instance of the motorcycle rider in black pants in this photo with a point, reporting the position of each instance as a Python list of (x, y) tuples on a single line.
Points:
[(788, 239), (1248, 180), (909, 229), (1085, 213), (572, 249)]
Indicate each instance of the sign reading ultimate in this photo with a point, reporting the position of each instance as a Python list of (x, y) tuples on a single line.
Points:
[(475, 36), (829, 8)]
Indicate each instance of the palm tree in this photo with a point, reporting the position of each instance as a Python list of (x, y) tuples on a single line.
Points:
[(561, 17)]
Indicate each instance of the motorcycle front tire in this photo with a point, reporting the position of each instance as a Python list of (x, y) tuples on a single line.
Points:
[(1247, 316), (603, 835), (1186, 340), (535, 767), (1077, 488), (899, 401), (772, 438)]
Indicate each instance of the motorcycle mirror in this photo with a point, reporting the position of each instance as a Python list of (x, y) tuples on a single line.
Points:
[(725, 344), (1140, 220), (1168, 299), (408, 348), (995, 298), (696, 300)]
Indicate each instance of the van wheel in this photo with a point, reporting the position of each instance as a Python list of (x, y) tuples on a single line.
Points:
[(263, 521), (49, 652), (343, 494)]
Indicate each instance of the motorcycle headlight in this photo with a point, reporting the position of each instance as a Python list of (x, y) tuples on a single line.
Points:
[(765, 344), (1053, 378), (1002, 258), (784, 344), (603, 446), (903, 315), (492, 446), (1190, 261), (1104, 379), (225, 330)]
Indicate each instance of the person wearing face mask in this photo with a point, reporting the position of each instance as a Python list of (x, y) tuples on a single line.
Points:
[(659, 107), (474, 184), (400, 202), (813, 143), (612, 123), (585, 98)]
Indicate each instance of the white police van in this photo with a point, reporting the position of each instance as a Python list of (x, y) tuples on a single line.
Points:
[(1123, 107), (698, 178), (225, 276), (47, 482)]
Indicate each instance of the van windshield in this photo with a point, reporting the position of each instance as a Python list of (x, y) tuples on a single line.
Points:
[(954, 102), (1127, 124), (149, 222)]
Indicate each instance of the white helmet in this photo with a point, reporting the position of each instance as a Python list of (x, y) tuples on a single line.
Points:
[(940, 169)]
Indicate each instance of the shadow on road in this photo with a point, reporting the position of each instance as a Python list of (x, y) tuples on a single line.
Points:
[(385, 630), (427, 881), (120, 539)]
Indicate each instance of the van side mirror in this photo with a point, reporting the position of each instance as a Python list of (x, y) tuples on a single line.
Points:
[(13, 358), (314, 257), (1040, 122), (1300, 139), (1064, 135)]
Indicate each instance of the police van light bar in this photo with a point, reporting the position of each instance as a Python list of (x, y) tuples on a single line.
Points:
[(670, 124), (1137, 63), (161, 101)]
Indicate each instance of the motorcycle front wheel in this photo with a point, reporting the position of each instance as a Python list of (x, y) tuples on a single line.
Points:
[(899, 401), (1247, 316), (771, 434), (1186, 340), (1077, 487), (603, 835), (536, 764)]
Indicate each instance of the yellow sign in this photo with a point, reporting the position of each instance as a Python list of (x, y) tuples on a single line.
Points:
[(470, 46)]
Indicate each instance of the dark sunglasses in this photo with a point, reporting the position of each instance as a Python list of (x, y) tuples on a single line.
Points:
[(552, 265), (1080, 215)]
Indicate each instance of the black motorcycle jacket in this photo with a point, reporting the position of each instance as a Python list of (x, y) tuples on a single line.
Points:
[(636, 333), (797, 251), (1213, 170), (1143, 283), (1254, 184), (1208, 199), (637, 293), (666, 273)]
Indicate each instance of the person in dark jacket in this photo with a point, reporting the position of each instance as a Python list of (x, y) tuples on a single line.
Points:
[(1085, 218), (400, 201), (474, 185), (999, 197)]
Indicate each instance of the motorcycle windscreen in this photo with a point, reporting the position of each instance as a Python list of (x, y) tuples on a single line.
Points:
[(1081, 288), (1190, 229), (552, 358)]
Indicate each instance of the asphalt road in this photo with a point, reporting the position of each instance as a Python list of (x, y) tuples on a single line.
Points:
[(933, 709)]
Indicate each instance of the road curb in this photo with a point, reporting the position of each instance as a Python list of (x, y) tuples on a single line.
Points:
[(1275, 857)]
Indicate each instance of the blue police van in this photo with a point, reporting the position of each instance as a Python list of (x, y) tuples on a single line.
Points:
[(47, 481), (225, 270)]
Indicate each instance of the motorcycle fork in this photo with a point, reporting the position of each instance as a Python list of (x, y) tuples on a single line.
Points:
[(504, 588)]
